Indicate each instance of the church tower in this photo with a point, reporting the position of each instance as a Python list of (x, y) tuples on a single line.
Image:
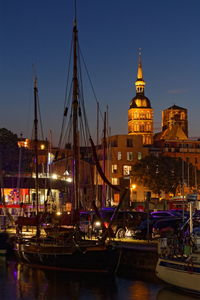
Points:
[(140, 113)]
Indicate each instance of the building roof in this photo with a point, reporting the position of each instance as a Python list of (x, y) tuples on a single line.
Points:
[(174, 133), (140, 101), (176, 107)]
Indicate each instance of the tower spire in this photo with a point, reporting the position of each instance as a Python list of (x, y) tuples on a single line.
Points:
[(139, 72), (140, 83)]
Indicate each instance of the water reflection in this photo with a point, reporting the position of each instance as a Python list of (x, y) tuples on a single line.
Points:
[(23, 282), (169, 293), (30, 283), (81, 286), (19, 282)]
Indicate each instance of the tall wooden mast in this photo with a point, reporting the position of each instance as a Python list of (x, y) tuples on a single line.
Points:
[(36, 150), (75, 200)]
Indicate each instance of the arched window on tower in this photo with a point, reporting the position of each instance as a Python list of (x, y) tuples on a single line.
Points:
[(136, 127), (182, 116), (142, 127)]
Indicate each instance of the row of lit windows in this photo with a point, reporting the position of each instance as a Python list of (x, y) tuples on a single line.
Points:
[(126, 169), (182, 146), (126, 172), (140, 89), (181, 115), (147, 140), (144, 116), (140, 116), (129, 155), (142, 127)]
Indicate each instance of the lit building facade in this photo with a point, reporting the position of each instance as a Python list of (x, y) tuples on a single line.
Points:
[(122, 152)]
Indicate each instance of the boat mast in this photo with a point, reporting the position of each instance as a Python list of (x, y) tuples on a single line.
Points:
[(36, 150), (75, 200), (104, 162)]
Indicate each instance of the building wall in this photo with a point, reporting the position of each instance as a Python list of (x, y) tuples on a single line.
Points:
[(123, 151), (188, 150), (140, 122)]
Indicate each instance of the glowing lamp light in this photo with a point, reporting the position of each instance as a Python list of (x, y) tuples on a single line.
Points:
[(58, 213), (97, 223), (42, 146), (54, 176), (69, 179), (133, 186)]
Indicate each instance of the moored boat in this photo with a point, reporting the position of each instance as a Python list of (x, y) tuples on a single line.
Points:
[(85, 256), (179, 261), (181, 274)]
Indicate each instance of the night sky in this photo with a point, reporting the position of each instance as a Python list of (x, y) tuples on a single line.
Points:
[(38, 32)]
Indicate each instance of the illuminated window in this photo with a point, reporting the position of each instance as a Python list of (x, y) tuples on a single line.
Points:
[(136, 127), (142, 116), (116, 198), (139, 155), (115, 181), (114, 168), (130, 156), (126, 170), (142, 127), (119, 155)]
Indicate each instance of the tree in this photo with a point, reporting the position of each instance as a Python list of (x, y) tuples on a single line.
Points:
[(9, 153), (158, 173)]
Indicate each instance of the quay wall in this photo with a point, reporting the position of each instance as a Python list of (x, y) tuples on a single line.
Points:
[(137, 257)]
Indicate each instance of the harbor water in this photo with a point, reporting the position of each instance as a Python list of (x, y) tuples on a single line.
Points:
[(20, 282)]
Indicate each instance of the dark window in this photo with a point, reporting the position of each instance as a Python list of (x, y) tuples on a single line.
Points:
[(114, 143), (129, 142)]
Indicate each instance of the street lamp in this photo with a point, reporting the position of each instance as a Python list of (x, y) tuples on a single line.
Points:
[(133, 186)]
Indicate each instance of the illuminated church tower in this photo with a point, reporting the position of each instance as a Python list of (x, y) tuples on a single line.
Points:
[(140, 113)]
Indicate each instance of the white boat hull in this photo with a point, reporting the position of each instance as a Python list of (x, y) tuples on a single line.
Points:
[(183, 275)]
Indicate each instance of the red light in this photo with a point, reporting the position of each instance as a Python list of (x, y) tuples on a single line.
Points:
[(106, 224)]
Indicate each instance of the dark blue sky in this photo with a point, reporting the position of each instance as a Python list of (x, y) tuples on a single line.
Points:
[(110, 32)]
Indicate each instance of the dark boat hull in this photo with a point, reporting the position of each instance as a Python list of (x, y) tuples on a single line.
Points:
[(100, 259)]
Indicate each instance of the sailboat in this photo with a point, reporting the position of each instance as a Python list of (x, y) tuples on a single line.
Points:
[(179, 260), (69, 252)]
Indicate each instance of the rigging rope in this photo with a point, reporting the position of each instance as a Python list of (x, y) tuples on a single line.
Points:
[(66, 102)]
